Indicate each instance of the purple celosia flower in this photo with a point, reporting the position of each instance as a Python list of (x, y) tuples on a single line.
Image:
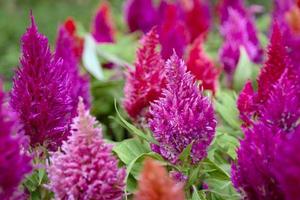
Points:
[(102, 28), (85, 167), (252, 175), (287, 166), (140, 15), (181, 116), (41, 92), (80, 83), (238, 30), (14, 162)]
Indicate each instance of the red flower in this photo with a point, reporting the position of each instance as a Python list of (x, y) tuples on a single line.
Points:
[(78, 41), (144, 83), (202, 67)]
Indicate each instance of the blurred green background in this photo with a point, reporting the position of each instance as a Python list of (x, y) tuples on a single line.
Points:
[(14, 18)]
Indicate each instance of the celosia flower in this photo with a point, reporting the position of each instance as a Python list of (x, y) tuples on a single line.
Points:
[(202, 67), (85, 167), (252, 175), (77, 41), (80, 83), (144, 83), (238, 30), (182, 116), (41, 92), (287, 15), (102, 28), (287, 166), (140, 15), (274, 90), (197, 18), (155, 184), (14, 162), (172, 32)]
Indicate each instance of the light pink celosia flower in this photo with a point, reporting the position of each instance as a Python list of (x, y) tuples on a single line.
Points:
[(85, 167)]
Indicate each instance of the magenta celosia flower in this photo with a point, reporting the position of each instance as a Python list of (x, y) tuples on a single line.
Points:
[(202, 67), (287, 15), (181, 116), (252, 175), (85, 167), (277, 99), (140, 15), (173, 34), (14, 161), (287, 166), (197, 18), (102, 27), (80, 83), (144, 83), (238, 30), (41, 92)]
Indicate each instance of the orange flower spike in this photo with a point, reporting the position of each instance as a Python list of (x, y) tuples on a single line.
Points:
[(155, 184)]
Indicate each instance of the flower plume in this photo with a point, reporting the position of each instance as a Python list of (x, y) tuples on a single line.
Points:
[(181, 116), (85, 167)]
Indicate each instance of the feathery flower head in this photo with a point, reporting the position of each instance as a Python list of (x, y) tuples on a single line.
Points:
[(287, 166), (181, 116), (202, 67), (144, 83), (277, 90), (140, 15), (103, 28), (155, 184), (85, 167), (252, 175), (14, 162), (239, 30), (287, 15), (197, 18), (80, 83), (41, 92), (172, 31), (77, 41)]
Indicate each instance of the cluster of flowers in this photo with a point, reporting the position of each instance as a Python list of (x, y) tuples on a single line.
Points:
[(49, 103)]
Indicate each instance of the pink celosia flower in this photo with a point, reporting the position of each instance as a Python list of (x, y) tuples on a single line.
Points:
[(182, 116), (80, 83), (202, 67), (155, 184), (103, 28), (14, 161), (85, 167), (144, 83), (238, 30), (77, 41), (41, 92)]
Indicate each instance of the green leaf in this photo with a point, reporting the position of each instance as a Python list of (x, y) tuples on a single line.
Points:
[(185, 154), (90, 59), (215, 170), (135, 167), (132, 129), (198, 195), (130, 149), (225, 104)]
